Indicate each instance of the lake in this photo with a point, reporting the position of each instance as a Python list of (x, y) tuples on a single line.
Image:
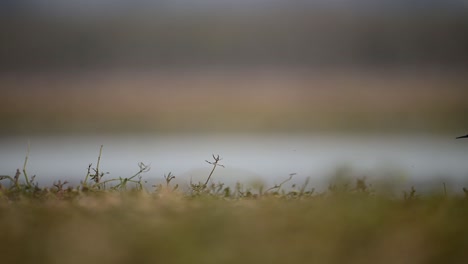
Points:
[(247, 158)]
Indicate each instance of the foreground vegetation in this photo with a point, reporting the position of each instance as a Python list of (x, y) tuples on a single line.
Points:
[(123, 221)]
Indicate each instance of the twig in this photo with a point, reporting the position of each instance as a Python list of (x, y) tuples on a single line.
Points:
[(85, 182), (97, 178), (215, 164), (143, 168), (13, 180), (28, 183), (169, 177), (123, 181), (281, 184), (301, 192)]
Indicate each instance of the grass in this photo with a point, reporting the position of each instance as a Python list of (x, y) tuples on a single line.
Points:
[(120, 220)]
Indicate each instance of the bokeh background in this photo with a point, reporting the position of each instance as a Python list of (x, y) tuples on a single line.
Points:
[(184, 69)]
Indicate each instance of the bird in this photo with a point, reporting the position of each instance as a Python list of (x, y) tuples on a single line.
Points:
[(465, 136)]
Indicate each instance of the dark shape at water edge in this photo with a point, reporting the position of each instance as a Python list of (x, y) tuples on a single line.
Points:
[(465, 136)]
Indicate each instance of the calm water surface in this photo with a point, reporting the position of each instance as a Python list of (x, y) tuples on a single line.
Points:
[(246, 157)]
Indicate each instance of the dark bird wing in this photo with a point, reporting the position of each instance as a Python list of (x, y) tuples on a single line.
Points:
[(465, 136)]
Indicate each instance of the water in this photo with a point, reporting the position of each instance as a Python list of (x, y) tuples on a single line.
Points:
[(246, 157)]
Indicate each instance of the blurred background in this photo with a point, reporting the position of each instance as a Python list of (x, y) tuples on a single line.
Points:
[(275, 86)]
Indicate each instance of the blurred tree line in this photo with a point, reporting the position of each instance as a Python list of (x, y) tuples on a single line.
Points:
[(315, 38)]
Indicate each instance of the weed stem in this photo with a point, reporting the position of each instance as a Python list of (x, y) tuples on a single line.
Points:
[(28, 183)]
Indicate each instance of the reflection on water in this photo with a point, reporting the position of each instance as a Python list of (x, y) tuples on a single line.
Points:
[(246, 157)]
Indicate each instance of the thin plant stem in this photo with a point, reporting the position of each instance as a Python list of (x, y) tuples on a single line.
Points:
[(215, 164), (97, 164), (28, 183), (281, 184)]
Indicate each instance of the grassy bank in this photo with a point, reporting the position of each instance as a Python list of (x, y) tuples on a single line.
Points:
[(168, 227), (105, 220)]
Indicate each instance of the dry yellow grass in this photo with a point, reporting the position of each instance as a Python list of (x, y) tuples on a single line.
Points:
[(169, 228)]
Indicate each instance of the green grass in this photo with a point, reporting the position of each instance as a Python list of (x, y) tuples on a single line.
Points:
[(123, 221)]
